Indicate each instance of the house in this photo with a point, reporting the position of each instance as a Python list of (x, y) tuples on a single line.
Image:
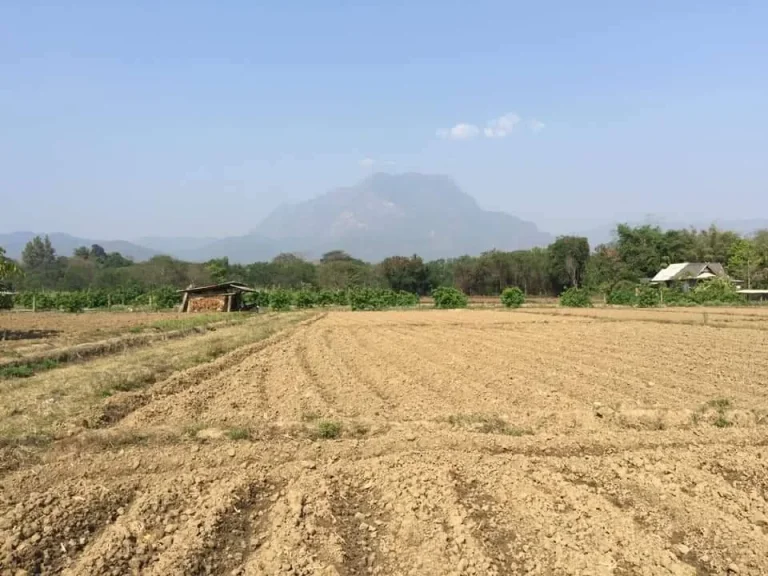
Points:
[(224, 297), (688, 274)]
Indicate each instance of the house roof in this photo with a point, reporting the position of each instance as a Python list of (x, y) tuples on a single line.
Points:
[(689, 270), (236, 286)]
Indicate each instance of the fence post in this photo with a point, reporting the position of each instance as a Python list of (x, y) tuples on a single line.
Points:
[(34, 302)]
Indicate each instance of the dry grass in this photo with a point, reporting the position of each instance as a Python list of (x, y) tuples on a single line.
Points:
[(55, 402)]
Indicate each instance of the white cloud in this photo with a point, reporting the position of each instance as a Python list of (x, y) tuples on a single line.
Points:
[(536, 126), (459, 132), (367, 163), (502, 126)]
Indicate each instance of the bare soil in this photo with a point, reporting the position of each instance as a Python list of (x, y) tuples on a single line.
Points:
[(469, 442)]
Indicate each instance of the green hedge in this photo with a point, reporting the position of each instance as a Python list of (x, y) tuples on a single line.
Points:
[(576, 298), (512, 297), (445, 297)]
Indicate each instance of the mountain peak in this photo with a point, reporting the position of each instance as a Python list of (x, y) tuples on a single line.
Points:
[(408, 213)]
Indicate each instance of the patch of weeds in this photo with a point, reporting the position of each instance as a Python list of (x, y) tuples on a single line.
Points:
[(136, 329), (29, 369), (720, 404), (328, 429), (215, 350), (191, 430), (238, 434), (486, 424), (722, 421)]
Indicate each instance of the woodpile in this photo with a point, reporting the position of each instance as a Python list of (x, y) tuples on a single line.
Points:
[(208, 304)]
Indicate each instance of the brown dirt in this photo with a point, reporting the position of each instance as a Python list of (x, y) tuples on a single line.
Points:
[(472, 442), (23, 333)]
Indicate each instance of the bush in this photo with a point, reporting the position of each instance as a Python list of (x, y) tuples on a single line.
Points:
[(6, 301), (512, 297), (165, 297), (449, 298), (648, 297), (368, 299), (716, 291), (305, 299), (406, 299), (623, 293), (280, 300), (576, 298)]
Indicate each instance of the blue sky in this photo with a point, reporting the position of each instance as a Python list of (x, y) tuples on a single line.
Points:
[(123, 119)]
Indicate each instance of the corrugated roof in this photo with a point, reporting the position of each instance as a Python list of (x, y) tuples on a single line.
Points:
[(683, 270), (670, 272), (222, 286)]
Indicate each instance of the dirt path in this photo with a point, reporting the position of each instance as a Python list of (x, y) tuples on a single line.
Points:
[(470, 443)]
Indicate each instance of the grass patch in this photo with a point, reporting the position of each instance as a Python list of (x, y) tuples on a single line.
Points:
[(722, 422), (238, 434), (720, 404), (486, 424), (328, 429), (190, 321), (27, 370), (63, 399)]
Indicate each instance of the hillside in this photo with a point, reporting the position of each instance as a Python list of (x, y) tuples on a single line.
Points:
[(397, 214)]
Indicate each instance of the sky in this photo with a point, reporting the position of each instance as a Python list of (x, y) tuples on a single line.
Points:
[(126, 119)]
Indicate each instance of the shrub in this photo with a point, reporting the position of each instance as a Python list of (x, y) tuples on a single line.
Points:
[(623, 293), (512, 297), (325, 298), (407, 299), (368, 299), (648, 297), (6, 301), (576, 298), (328, 429), (305, 299), (717, 290), (165, 297), (280, 300), (449, 298)]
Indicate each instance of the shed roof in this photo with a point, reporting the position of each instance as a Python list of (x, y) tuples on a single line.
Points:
[(685, 270), (235, 286)]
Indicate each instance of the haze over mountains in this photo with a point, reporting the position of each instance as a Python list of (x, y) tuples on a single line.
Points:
[(381, 216)]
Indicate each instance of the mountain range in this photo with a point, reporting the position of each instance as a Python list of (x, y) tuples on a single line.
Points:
[(384, 215)]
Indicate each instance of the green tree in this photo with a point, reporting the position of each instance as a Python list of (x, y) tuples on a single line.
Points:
[(568, 258), (39, 253), (218, 268), (82, 252), (7, 266), (744, 260), (640, 249), (406, 274)]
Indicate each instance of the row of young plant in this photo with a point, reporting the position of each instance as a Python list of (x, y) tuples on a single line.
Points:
[(168, 297), (75, 301), (714, 292)]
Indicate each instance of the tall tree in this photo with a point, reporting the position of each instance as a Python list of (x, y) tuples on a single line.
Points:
[(568, 257), (744, 260), (38, 253), (409, 274)]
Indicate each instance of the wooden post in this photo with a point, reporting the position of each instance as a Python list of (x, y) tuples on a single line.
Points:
[(34, 302), (109, 301)]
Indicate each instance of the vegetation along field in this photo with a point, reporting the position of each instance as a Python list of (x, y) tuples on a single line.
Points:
[(530, 441)]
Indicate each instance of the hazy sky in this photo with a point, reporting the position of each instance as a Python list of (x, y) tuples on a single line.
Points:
[(123, 119)]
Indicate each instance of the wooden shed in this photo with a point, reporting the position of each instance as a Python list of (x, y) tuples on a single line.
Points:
[(224, 297)]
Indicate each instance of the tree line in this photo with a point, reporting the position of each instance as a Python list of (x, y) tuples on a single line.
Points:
[(637, 252)]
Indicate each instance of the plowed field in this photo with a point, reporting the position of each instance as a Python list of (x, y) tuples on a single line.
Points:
[(425, 442)]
